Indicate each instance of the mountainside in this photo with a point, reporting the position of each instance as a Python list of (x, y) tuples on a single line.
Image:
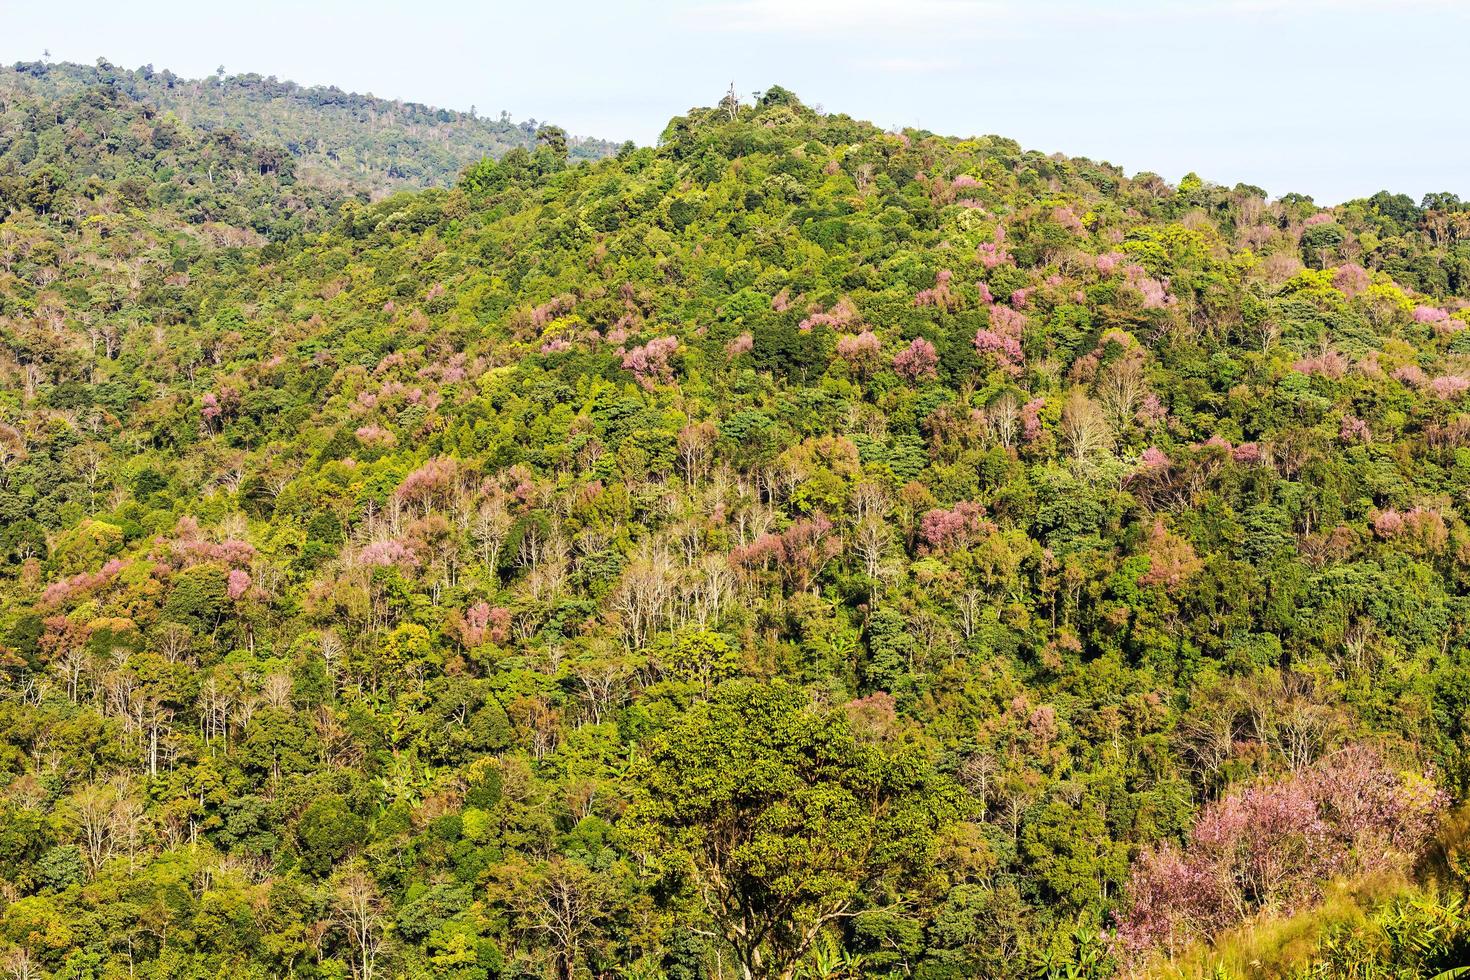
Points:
[(97, 153), (794, 550), (340, 138)]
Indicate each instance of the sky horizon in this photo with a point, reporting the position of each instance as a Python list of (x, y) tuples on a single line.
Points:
[(1336, 99)]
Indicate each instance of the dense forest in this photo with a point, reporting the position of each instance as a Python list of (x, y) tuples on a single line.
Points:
[(795, 550), (341, 139)]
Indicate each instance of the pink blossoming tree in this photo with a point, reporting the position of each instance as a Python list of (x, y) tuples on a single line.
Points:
[(1272, 846), (919, 361)]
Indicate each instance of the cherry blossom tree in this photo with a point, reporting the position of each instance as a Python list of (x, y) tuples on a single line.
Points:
[(919, 361), (1272, 846), (650, 363), (860, 351)]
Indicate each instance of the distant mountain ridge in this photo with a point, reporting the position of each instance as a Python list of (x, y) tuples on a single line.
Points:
[(361, 140)]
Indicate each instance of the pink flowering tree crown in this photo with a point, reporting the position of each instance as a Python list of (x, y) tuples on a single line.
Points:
[(943, 529), (919, 361), (1274, 846), (861, 351), (238, 583), (1153, 460), (940, 295), (1002, 339), (842, 316), (650, 363), (1353, 430)]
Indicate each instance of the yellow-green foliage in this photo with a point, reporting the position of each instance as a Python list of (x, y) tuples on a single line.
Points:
[(1279, 947)]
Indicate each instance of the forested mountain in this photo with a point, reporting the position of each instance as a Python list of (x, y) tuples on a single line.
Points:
[(338, 138), (793, 550)]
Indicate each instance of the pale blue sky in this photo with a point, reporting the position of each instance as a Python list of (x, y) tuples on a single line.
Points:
[(1333, 98)]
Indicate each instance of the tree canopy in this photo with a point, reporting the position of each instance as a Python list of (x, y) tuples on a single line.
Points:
[(793, 549)]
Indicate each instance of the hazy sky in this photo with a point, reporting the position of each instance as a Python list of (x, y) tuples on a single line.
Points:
[(1333, 98)]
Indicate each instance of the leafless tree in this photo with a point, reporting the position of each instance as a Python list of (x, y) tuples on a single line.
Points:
[(358, 908), (174, 640), (642, 598), (872, 541), (214, 710), (18, 965), (563, 901), (1085, 430), (970, 603), (107, 818), (1003, 419), (1121, 390), (695, 442)]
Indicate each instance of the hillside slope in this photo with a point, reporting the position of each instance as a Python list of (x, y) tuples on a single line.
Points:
[(341, 138), (797, 549)]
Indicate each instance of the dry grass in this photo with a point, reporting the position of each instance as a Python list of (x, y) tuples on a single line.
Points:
[(1274, 947)]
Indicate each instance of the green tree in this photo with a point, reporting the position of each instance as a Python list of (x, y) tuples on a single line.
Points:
[(775, 818), (328, 832)]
